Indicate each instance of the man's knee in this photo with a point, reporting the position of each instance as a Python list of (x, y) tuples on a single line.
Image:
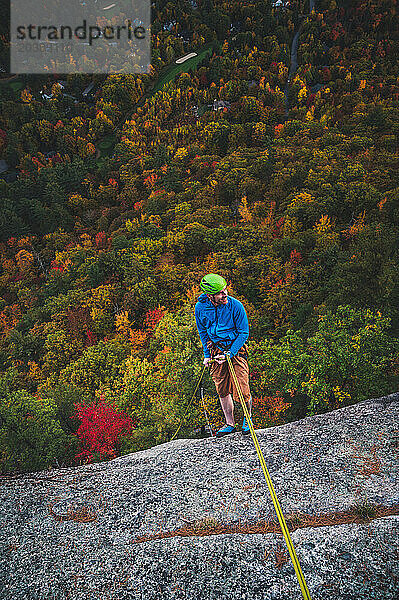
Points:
[(225, 398)]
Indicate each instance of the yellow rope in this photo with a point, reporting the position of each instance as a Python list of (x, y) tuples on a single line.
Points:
[(189, 404), (280, 516)]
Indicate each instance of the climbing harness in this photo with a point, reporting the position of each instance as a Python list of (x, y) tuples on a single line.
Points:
[(189, 404), (280, 516)]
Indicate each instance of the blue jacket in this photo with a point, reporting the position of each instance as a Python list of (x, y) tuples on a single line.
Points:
[(224, 323)]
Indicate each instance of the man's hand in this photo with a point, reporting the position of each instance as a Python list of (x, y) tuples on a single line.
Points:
[(207, 360), (220, 358)]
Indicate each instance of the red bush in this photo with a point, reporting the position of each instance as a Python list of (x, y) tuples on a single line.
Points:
[(100, 429), (101, 240), (152, 317)]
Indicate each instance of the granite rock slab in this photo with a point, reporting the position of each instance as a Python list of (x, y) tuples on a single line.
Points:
[(318, 465)]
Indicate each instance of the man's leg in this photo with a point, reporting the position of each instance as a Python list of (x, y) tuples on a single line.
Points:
[(228, 409), (241, 369), (249, 405)]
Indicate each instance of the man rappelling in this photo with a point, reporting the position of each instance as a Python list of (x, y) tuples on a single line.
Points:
[(222, 324)]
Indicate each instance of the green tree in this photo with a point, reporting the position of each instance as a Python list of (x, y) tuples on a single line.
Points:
[(349, 358), (31, 437)]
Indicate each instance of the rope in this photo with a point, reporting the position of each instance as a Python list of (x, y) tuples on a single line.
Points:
[(189, 404), (280, 516), (205, 411)]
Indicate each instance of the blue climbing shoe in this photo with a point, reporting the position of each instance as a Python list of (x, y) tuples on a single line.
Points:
[(245, 427), (226, 430)]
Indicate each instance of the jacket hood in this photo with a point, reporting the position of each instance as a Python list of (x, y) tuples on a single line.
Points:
[(204, 298)]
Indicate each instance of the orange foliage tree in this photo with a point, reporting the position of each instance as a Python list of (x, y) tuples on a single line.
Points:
[(268, 411)]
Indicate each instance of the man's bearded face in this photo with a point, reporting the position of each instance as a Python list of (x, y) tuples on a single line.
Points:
[(221, 297)]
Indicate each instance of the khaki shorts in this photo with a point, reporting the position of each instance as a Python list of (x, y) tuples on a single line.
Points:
[(223, 380)]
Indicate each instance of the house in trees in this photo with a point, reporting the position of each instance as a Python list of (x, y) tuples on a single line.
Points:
[(185, 36), (220, 105), (235, 27), (48, 95), (169, 26)]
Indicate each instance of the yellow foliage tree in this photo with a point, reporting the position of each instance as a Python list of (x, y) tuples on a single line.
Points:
[(326, 237), (302, 94), (324, 224), (25, 261), (86, 240), (100, 298), (34, 371), (301, 199), (26, 96), (259, 131), (181, 153), (76, 201), (244, 211), (310, 114), (63, 259), (123, 324)]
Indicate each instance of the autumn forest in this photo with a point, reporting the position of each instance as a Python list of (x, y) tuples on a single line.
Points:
[(271, 158)]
